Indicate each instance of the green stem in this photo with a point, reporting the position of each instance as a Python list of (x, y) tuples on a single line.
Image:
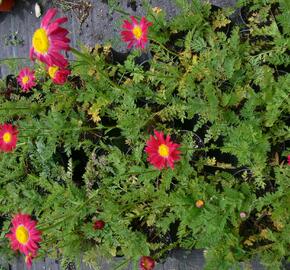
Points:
[(163, 47), (123, 263), (101, 72), (50, 226), (15, 108), (122, 12), (63, 218), (19, 144), (13, 59), (198, 149), (82, 55), (138, 173), (49, 130), (167, 248), (110, 81), (152, 14)]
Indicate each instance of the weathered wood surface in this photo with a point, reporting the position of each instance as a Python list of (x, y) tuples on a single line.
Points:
[(177, 260), (100, 25)]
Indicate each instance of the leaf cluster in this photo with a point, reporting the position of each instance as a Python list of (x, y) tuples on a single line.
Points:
[(221, 90)]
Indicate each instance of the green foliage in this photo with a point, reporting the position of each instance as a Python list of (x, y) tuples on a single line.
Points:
[(219, 89)]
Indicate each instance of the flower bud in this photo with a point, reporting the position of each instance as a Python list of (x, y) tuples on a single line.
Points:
[(243, 214), (199, 203), (146, 263), (99, 225)]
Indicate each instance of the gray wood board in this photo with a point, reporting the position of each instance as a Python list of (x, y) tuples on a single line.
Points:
[(177, 260), (101, 25)]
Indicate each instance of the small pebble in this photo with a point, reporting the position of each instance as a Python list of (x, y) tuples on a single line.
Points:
[(37, 10)]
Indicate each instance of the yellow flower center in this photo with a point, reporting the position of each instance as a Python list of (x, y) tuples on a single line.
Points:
[(25, 79), (7, 137), (52, 70), (22, 235), (163, 150), (40, 41), (137, 32)]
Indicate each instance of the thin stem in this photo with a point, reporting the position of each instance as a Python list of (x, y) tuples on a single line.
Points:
[(63, 218), (163, 47), (151, 13), (198, 149), (82, 55), (101, 72), (19, 144), (110, 81), (68, 128), (169, 247), (38, 135), (86, 202), (71, 3), (123, 263), (15, 108), (122, 12), (138, 173), (55, 224), (13, 59)]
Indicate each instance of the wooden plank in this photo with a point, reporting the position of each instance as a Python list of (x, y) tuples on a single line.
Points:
[(177, 260)]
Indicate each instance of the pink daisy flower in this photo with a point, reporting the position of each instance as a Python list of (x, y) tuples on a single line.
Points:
[(23, 235), (58, 75), (288, 159), (8, 137), (135, 34), (49, 40), (146, 263), (162, 152), (26, 79)]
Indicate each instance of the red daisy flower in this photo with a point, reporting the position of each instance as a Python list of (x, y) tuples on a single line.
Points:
[(162, 152), (8, 137), (49, 40), (23, 235), (288, 159), (135, 34), (146, 263), (58, 75), (26, 79)]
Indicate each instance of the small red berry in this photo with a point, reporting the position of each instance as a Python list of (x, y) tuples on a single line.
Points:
[(99, 225), (146, 263), (199, 203)]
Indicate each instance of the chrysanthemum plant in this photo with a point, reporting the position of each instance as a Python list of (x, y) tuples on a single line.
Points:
[(187, 148)]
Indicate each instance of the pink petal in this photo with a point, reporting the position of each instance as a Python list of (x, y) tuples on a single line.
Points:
[(48, 16)]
